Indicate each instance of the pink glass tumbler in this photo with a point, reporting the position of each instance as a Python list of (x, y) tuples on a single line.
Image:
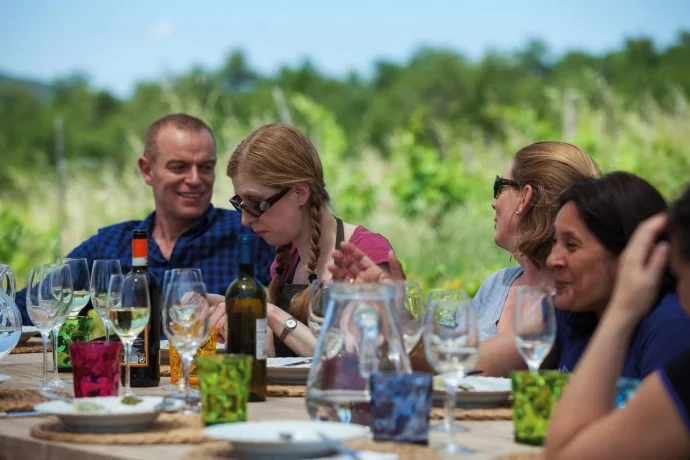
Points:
[(96, 368)]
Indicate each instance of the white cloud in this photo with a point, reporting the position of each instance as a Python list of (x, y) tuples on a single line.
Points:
[(162, 29)]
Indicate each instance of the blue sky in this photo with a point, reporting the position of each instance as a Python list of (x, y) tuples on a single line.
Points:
[(117, 43)]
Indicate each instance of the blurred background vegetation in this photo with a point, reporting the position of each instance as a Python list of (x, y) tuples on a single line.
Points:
[(409, 151)]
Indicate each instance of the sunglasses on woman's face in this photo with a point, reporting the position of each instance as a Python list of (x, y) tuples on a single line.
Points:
[(257, 207), (500, 182)]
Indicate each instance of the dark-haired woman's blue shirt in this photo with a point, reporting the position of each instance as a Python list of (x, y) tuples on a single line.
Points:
[(663, 334)]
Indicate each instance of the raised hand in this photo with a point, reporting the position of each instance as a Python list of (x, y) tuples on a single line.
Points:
[(352, 264), (641, 266)]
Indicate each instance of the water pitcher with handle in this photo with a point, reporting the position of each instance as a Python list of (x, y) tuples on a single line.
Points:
[(359, 337), (10, 317)]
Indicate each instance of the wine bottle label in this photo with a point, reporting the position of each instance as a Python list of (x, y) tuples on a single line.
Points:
[(140, 351), (261, 344)]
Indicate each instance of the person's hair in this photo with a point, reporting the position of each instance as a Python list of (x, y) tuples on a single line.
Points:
[(679, 225), (278, 155), (549, 168), (612, 207), (179, 121)]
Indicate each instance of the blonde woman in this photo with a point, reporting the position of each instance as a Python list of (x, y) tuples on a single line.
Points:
[(278, 180)]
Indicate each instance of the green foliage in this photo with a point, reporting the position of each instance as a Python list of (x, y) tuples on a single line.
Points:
[(410, 151)]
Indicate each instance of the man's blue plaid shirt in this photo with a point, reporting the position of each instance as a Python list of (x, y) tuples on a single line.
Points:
[(209, 245)]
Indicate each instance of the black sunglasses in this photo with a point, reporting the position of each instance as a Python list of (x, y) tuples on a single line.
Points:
[(256, 208), (500, 182)]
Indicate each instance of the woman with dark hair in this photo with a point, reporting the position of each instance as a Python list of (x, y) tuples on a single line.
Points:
[(656, 422), (595, 222)]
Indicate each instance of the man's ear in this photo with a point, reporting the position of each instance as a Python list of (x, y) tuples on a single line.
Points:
[(302, 192), (145, 168)]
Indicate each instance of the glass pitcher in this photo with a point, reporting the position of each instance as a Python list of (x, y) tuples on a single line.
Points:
[(10, 317), (359, 337)]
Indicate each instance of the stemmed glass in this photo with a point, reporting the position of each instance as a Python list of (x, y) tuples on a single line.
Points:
[(409, 309), (182, 274), (48, 297), (451, 342), (534, 325), (80, 283), (437, 295), (318, 299), (129, 307), (101, 272), (186, 316)]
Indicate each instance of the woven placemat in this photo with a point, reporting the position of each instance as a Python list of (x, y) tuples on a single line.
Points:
[(19, 400), (522, 456), (494, 413), (30, 348), (290, 391), (222, 450), (168, 429)]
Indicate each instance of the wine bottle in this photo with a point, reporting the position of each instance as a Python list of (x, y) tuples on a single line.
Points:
[(245, 304), (145, 357)]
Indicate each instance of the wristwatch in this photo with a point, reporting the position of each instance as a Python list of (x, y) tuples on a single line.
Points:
[(290, 325)]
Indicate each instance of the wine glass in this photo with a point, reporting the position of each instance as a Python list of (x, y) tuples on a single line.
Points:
[(186, 315), (408, 309), (129, 307), (81, 281), (451, 342), (189, 274), (61, 286), (46, 306), (101, 272), (534, 325), (318, 299)]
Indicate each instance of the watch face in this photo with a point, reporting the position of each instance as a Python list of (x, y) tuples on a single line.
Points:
[(291, 323)]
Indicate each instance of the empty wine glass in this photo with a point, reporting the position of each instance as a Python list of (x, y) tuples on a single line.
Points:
[(451, 342), (81, 283), (318, 299), (409, 309), (534, 325), (46, 305), (101, 272), (62, 286), (129, 308), (186, 315)]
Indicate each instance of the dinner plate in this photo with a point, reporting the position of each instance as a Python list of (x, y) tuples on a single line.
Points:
[(476, 391), (290, 371), (113, 417), (283, 439), (4, 377)]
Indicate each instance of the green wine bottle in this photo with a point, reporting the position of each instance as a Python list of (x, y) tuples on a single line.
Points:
[(245, 303)]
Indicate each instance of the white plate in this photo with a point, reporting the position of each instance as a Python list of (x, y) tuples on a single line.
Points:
[(116, 417), (4, 377), (268, 439), (485, 392), (279, 370)]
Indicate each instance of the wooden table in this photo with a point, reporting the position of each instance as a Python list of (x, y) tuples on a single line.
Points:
[(489, 439)]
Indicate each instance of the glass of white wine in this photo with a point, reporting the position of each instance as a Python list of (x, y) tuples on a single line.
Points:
[(101, 271), (129, 307), (81, 281), (534, 325)]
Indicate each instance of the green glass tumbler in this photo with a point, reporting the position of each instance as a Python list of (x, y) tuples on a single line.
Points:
[(224, 384), (534, 397), (72, 331)]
